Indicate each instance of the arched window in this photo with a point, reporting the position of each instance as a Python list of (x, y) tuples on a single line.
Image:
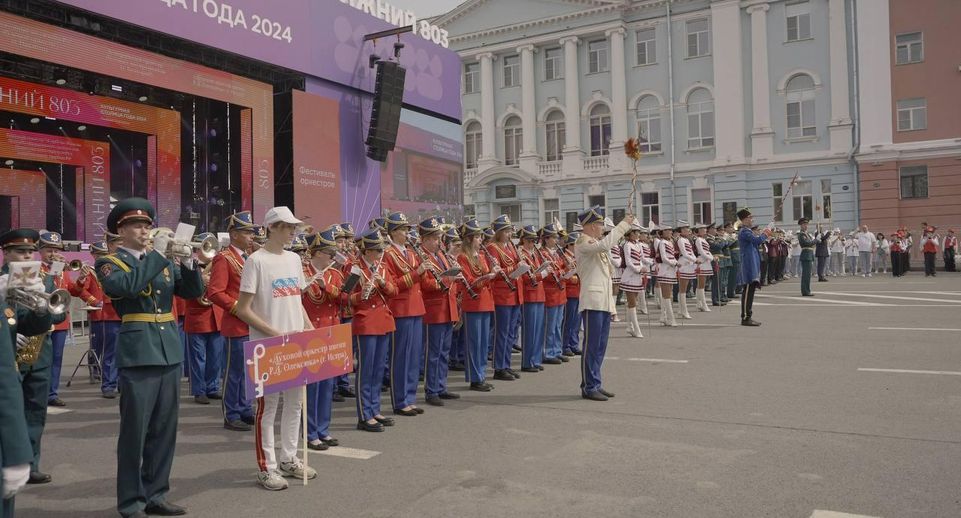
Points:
[(556, 135), (700, 119), (513, 140), (473, 145), (800, 107), (600, 130), (649, 124)]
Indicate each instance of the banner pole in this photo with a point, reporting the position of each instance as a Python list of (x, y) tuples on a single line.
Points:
[(303, 407)]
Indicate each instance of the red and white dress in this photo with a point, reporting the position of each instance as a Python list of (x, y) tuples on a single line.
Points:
[(687, 261), (616, 270), (667, 268), (705, 266), (632, 280)]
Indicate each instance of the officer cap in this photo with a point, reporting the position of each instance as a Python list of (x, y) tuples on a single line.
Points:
[(591, 215), (396, 221), (528, 232), (501, 222), (803, 221), (430, 226), (370, 240), (20, 238), (241, 221), (129, 210), (469, 228), (347, 229), (325, 240), (100, 247), (50, 239), (743, 213)]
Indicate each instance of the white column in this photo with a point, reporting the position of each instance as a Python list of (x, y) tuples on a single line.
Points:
[(840, 125), (728, 81), (762, 136), (528, 154), (874, 70), (573, 156), (488, 156), (618, 87)]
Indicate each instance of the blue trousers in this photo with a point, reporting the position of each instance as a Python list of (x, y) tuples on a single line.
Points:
[(457, 345), (371, 355), (477, 325), (103, 335), (59, 338), (504, 318), (516, 328), (235, 402), (572, 325), (438, 350), (597, 326), (319, 403), (206, 362), (553, 331), (533, 334), (405, 355)]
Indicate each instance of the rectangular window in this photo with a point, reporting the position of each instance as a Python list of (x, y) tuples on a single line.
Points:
[(800, 115), (730, 211), (512, 211), (597, 200), (777, 191), (698, 38), (909, 48), (552, 210), (650, 208), (597, 56), (701, 205), (912, 114), (649, 130), (600, 135), (570, 218), (646, 47), (469, 211), (798, 21), (553, 59), (473, 144), (826, 199), (556, 135), (700, 125), (619, 215), (803, 201), (914, 181), (505, 191), (471, 78), (512, 71)]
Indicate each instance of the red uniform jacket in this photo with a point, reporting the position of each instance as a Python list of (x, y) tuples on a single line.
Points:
[(373, 316), (409, 301), (91, 292), (441, 304), (224, 288), (485, 297), (554, 295), (532, 292), (323, 305), (508, 260), (201, 318), (573, 285)]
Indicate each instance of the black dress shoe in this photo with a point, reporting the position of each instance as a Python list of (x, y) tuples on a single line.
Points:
[(249, 420), (457, 367), (568, 353), (449, 395), (606, 393), (408, 413), (503, 375), (594, 396), (482, 387), (37, 477), (320, 446), (530, 369), (165, 509), (435, 400), (337, 398), (201, 400), (56, 402), (577, 352), (822, 280), (347, 392), (516, 350), (750, 322), (552, 361), (512, 373), (539, 367), (807, 294), (330, 442), (367, 427), (215, 395), (237, 425), (109, 395), (563, 359), (386, 421)]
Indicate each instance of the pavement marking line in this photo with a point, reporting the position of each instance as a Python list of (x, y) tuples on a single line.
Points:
[(52, 410), (835, 514), (797, 298), (655, 360), (866, 305), (710, 325), (348, 453), (914, 329), (909, 371), (891, 297)]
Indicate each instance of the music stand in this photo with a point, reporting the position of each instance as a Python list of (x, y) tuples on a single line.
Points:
[(85, 359)]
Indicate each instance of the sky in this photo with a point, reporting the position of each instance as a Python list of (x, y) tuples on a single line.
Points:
[(426, 8)]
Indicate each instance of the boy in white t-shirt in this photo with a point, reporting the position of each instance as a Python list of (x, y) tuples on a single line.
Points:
[(270, 303)]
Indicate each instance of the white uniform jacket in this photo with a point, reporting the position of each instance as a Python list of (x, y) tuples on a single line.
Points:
[(595, 270)]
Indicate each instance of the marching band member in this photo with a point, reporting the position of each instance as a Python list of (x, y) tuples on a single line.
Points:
[(534, 298), (632, 280), (440, 301), (572, 317), (718, 250), (617, 262), (950, 248), (808, 244), (223, 291), (407, 306), (104, 322), (929, 246), (687, 266), (452, 242), (597, 300), (323, 301), (477, 312), (508, 295), (149, 353), (667, 274), (555, 297), (344, 235), (206, 345), (647, 257), (372, 325), (749, 275), (51, 249), (657, 234), (270, 303), (705, 266)]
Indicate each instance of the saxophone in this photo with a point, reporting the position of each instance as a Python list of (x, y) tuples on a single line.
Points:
[(30, 352)]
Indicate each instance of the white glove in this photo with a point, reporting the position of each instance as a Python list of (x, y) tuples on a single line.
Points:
[(36, 286), (21, 341), (4, 279), (14, 478), (187, 263), (161, 242)]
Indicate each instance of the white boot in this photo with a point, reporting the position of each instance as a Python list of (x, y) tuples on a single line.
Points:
[(657, 297), (703, 300), (670, 322), (682, 297), (637, 325), (663, 319), (642, 297), (631, 317)]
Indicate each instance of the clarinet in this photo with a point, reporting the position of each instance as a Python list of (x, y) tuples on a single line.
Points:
[(372, 285), (530, 274), (553, 271), (490, 258), (460, 276), (434, 274)]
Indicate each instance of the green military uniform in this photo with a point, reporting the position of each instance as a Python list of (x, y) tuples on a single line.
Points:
[(149, 354), (807, 243)]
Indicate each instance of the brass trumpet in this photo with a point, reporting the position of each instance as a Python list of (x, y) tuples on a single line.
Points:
[(54, 303), (76, 265), (206, 248)]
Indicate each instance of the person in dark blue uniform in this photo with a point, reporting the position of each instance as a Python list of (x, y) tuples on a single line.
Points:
[(142, 285), (749, 275), (808, 244)]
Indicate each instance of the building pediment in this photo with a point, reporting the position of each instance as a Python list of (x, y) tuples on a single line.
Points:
[(495, 173), (474, 16)]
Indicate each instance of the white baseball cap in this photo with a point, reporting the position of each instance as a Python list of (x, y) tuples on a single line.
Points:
[(280, 214)]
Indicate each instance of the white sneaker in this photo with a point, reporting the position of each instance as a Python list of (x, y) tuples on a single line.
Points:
[(271, 481), (295, 468)]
